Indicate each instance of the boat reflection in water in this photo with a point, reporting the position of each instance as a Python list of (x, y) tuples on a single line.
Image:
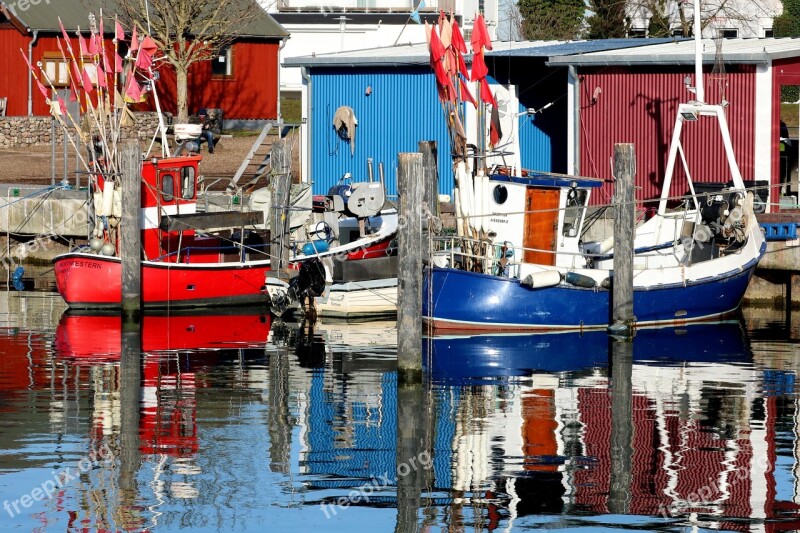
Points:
[(453, 358), (173, 347), (536, 437)]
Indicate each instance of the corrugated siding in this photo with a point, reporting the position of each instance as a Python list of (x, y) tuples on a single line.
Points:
[(402, 109), (639, 107), (535, 145)]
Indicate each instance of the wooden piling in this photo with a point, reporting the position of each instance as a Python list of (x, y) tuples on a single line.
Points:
[(279, 224), (410, 188), (130, 233), (430, 177), (622, 293)]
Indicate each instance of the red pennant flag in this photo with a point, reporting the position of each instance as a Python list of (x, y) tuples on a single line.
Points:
[(42, 89), (479, 69), (101, 77), (462, 66), (480, 35), (76, 74), (66, 37), (94, 49), (62, 106), (117, 63), (465, 94), (134, 90), (436, 48), (146, 51), (495, 132), (486, 93), (134, 40), (82, 45), (106, 65), (458, 39), (119, 34), (87, 81)]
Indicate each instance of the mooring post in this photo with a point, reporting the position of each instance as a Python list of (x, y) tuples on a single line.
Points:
[(130, 234), (430, 177), (410, 188), (622, 292), (279, 224)]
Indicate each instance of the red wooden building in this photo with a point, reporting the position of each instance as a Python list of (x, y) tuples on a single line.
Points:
[(242, 80), (631, 95)]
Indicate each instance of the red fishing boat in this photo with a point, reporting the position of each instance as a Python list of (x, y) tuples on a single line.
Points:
[(185, 264)]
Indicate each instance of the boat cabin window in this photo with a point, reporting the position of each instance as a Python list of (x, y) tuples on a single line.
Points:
[(576, 200), (167, 187), (187, 185), (500, 194)]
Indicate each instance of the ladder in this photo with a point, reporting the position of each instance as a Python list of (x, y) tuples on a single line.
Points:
[(258, 158)]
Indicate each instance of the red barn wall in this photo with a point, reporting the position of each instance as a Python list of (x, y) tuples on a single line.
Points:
[(639, 106), (251, 93)]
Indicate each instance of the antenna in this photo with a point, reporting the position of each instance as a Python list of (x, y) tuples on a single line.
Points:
[(718, 73)]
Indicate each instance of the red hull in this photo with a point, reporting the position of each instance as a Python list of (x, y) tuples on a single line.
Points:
[(93, 281)]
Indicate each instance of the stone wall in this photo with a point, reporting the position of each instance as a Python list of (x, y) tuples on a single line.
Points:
[(21, 132)]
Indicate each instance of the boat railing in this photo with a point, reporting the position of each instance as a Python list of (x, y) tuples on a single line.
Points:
[(244, 252), (505, 259)]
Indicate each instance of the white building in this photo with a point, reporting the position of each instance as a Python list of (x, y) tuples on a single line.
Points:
[(326, 26), (730, 19)]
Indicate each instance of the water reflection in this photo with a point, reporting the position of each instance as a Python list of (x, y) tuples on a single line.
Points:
[(231, 422)]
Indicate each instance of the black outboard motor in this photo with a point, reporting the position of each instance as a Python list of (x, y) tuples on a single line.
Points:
[(309, 282)]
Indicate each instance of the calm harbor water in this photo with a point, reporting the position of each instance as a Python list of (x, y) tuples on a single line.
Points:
[(238, 423)]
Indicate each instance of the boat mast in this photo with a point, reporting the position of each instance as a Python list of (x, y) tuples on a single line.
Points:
[(698, 55)]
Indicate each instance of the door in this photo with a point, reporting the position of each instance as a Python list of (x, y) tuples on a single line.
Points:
[(541, 224)]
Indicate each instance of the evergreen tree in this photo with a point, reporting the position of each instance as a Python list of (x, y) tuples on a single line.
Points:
[(608, 20), (788, 25), (551, 19), (659, 25)]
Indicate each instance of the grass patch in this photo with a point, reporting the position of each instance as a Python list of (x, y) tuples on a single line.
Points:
[(291, 109)]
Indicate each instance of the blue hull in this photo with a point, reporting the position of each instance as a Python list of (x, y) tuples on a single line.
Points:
[(508, 356), (460, 300)]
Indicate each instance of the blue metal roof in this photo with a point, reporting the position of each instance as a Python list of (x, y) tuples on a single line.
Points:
[(544, 49)]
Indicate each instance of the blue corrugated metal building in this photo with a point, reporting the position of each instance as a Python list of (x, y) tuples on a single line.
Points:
[(393, 94)]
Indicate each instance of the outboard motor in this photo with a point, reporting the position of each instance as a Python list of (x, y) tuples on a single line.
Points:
[(310, 281)]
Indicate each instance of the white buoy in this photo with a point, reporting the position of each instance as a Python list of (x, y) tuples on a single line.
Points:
[(107, 249), (95, 244), (537, 280)]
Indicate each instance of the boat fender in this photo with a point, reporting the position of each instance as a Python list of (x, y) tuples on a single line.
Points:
[(107, 249), (95, 244), (606, 245), (580, 280), (607, 283), (538, 280), (316, 247)]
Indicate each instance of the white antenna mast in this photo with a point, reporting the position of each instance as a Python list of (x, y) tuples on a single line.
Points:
[(698, 55)]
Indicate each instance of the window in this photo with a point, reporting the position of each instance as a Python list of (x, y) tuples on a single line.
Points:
[(500, 194), (56, 69), (167, 187), (768, 33), (637, 32), (222, 65), (729, 33), (187, 187), (677, 32), (576, 200)]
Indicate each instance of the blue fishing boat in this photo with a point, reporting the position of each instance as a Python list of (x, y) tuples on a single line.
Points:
[(520, 262)]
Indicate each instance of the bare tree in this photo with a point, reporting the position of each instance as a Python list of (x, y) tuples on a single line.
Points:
[(188, 31), (665, 17)]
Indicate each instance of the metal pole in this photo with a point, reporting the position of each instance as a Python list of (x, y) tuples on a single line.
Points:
[(130, 234), (622, 297), (409, 301)]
